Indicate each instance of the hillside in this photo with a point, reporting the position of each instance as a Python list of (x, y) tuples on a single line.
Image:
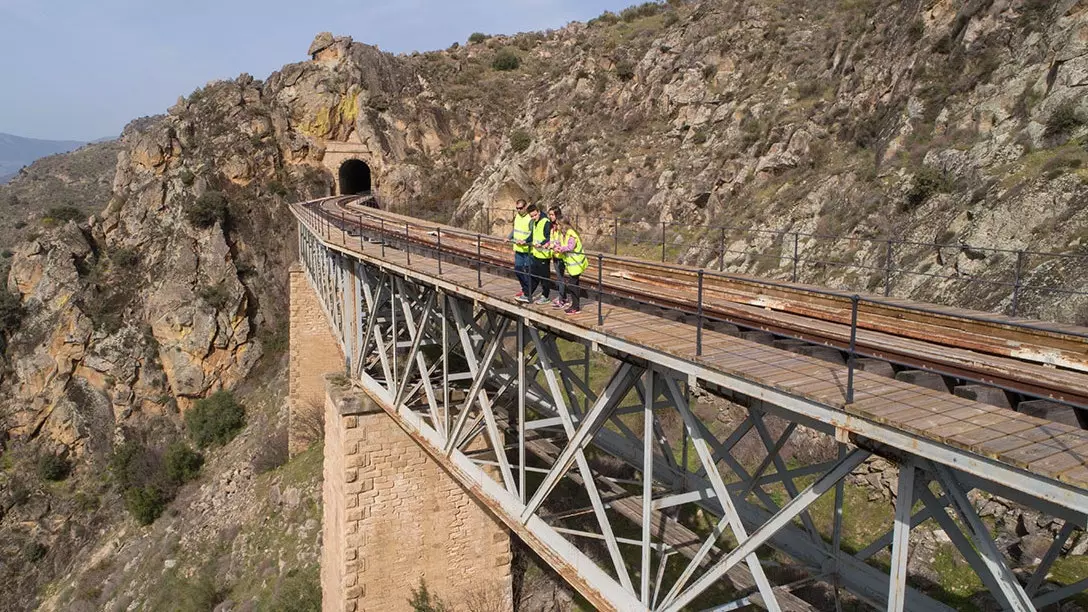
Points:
[(16, 152), (926, 120)]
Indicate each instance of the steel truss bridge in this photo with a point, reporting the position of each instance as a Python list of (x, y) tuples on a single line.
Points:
[(583, 433)]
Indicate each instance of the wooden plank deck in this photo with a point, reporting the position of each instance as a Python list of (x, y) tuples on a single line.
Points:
[(1051, 450)]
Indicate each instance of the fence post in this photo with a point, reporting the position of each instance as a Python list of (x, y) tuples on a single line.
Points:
[(796, 254), (888, 270), (479, 264), (407, 244), (1016, 282), (699, 323), (343, 229), (382, 220), (600, 288), (439, 229), (359, 226), (853, 348), (721, 249), (662, 242), (615, 235)]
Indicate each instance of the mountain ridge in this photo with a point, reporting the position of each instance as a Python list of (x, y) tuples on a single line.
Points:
[(19, 151)]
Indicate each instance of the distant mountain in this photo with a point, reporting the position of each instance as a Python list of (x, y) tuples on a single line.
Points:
[(16, 152)]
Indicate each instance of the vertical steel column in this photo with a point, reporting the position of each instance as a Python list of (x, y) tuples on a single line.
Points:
[(852, 357), (699, 323), (796, 253), (888, 270), (521, 409), (600, 289), (647, 480), (1016, 282), (662, 242), (897, 581), (393, 314), (439, 253), (445, 364), (615, 235), (721, 249)]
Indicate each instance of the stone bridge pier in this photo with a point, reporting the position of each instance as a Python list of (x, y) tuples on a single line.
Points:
[(392, 516)]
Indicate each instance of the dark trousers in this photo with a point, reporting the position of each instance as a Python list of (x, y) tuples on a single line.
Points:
[(523, 264), (541, 277), (560, 275), (572, 290)]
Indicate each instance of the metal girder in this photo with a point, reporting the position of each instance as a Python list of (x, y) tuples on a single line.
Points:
[(506, 364)]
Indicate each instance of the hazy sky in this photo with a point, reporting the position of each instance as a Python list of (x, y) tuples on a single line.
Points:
[(81, 69)]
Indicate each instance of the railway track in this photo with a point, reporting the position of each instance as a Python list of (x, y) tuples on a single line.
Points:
[(1029, 358)]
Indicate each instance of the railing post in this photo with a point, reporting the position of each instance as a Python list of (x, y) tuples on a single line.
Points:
[(699, 323), (479, 264), (1016, 282), (343, 229), (796, 254), (615, 235), (382, 220), (439, 253), (853, 348), (600, 289), (721, 249), (662, 242), (407, 244), (359, 226), (888, 270)]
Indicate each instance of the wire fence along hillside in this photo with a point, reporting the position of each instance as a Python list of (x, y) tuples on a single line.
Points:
[(1025, 283)]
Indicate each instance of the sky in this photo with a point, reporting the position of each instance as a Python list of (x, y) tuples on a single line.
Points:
[(82, 69)]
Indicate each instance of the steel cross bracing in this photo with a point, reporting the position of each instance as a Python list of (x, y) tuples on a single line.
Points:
[(597, 458)]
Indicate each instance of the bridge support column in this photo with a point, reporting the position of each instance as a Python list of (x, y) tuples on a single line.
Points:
[(394, 517), (313, 353)]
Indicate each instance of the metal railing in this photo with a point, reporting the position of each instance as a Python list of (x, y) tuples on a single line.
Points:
[(1000, 281), (403, 241)]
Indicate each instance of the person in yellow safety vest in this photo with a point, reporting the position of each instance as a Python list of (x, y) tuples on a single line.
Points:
[(542, 257), (554, 214), (520, 236), (569, 244)]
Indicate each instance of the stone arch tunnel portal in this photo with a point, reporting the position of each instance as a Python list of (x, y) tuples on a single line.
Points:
[(354, 177)]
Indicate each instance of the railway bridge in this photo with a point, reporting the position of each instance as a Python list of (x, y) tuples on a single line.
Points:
[(457, 417)]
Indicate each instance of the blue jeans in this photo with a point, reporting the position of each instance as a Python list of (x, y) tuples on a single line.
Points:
[(523, 262), (560, 274), (541, 271)]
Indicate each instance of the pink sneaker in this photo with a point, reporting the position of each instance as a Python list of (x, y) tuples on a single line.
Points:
[(572, 310)]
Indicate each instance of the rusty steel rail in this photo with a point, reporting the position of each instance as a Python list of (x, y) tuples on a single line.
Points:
[(1033, 358)]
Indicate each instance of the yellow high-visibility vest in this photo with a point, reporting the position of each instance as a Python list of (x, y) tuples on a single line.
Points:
[(575, 261), (540, 246), (523, 228)]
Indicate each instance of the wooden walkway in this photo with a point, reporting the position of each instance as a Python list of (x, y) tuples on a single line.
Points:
[(1041, 447)]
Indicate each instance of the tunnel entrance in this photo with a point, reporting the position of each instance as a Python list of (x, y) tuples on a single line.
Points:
[(354, 177)]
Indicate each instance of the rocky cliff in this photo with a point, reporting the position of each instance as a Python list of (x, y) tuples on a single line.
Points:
[(929, 120)]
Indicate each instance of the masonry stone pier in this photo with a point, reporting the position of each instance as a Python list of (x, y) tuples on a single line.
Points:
[(392, 517)]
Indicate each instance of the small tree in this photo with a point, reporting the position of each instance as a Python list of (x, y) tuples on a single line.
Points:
[(182, 463), (207, 210), (53, 467), (506, 60), (215, 420), (1064, 119), (424, 601), (477, 38), (625, 70), (145, 503)]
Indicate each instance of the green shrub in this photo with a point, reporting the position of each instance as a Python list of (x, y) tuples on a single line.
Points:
[(477, 37), (299, 591), (217, 296), (1064, 119), (53, 467), (927, 182), (63, 214), (646, 9), (187, 177), (11, 312), (182, 463), (145, 503), (34, 551), (520, 140), (207, 210), (215, 420), (605, 18), (625, 70), (699, 137), (506, 60)]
